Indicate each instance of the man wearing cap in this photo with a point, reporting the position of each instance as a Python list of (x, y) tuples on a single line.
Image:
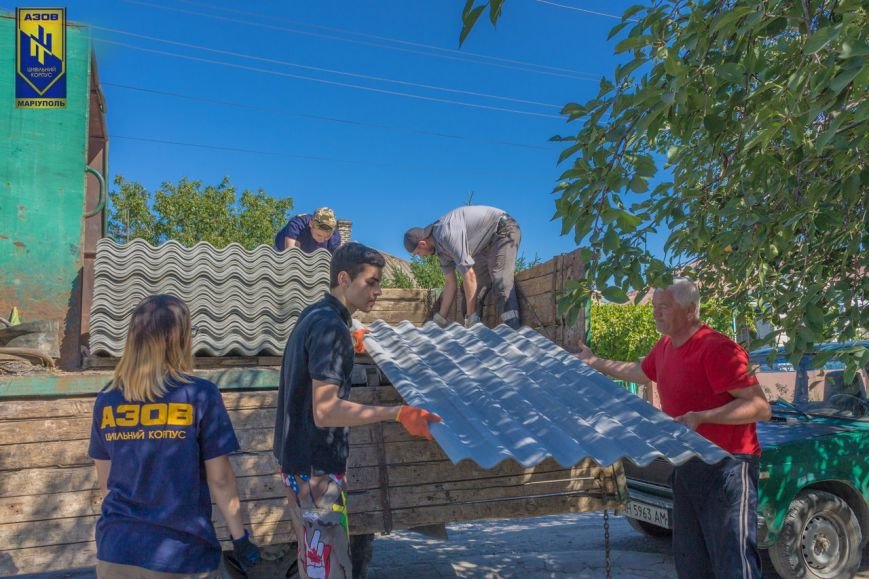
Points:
[(310, 232), (476, 240)]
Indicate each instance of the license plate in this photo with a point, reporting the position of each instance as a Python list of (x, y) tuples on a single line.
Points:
[(649, 513)]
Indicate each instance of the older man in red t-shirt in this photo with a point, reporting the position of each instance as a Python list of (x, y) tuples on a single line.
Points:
[(704, 383)]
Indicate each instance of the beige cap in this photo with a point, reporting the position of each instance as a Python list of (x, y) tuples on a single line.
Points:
[(324, 218)]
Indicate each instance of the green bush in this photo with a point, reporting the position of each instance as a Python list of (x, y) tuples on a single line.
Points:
[(398, 279), (627, 332)]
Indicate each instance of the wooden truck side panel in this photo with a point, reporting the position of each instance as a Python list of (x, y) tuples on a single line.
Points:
[(49, 503)]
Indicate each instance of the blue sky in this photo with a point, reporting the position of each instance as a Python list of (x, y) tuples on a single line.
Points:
[(337, 101)]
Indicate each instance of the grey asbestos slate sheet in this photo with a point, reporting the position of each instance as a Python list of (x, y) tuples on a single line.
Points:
[(242, 301), (515, 395)]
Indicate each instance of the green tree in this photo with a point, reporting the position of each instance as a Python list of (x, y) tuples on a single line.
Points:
[(189, 212), (260, 217), (758, 112), (129, 215)]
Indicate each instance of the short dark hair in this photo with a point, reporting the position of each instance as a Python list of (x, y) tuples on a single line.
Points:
[(414, 235), (352, 257)]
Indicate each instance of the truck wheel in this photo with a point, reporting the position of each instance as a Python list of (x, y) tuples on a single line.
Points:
[(649, 528), (820, 538), (361, 552)]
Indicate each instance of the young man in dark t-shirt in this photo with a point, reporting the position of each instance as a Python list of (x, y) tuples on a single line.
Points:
[(310, 232), (704, 383), (314, 413)]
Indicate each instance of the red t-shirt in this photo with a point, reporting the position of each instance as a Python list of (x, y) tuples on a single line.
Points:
[(698, 375)]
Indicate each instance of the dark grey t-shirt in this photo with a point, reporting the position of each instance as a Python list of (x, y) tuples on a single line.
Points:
[(320, 348), (462, 234)]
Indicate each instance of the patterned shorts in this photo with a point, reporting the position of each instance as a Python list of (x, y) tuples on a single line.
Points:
[(318, 510)]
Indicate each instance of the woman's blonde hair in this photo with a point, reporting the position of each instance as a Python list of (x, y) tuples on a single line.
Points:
[(159, 347)]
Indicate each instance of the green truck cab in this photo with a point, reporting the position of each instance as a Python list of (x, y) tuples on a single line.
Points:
[(813, 495)]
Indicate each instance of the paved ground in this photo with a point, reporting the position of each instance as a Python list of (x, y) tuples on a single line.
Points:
[(556, 547)]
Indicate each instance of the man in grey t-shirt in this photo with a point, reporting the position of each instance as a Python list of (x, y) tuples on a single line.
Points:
[(476, 240)]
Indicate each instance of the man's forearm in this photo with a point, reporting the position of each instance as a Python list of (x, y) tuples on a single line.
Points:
[(737, 411), (627, 371), (340, 413), (449, 295), (470, 287)]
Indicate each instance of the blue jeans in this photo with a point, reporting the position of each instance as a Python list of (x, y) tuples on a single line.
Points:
[(715, 519)]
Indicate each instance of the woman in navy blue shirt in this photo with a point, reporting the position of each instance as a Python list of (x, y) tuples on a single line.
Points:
[(160, 441)]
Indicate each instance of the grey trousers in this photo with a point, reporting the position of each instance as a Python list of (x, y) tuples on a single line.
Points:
[(497, 263)]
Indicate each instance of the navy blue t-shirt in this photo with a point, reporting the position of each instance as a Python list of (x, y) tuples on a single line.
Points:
[(320, 348), (157, 514), (298, 228)]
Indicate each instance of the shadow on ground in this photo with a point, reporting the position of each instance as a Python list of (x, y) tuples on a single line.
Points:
[(555, 547)]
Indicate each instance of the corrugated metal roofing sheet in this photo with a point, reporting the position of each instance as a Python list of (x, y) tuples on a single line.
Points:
[(516, 395), (241, 301)]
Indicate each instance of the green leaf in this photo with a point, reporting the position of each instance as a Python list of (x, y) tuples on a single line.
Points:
[(821, 38), (632, 10), (469, 20), (821, 358), (730, 16), (851, 187), (616, 29), (628, 221), (639, 184), (827, 136), (495, 10), (731, 72), (632, 42), (850, 50), (573, 109), (844, 78), (673, 65), (610, 240), (605, 87), (806, 334), (569, 151), (713, 124), (645, 166), (623, 71), (615, 294)]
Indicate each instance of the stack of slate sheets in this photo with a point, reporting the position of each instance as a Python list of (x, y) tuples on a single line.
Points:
[(243, 302)]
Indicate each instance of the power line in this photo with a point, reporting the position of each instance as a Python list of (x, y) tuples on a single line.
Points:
[(326, 70), (539, 70), (463, 53), (577, 9), (243, 150), (329, 82), (327, 119)]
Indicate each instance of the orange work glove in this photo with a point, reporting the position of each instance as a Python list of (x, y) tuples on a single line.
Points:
[(358, 346), (416, 420)]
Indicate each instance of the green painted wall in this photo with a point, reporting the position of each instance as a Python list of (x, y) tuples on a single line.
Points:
[(42, 186)]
